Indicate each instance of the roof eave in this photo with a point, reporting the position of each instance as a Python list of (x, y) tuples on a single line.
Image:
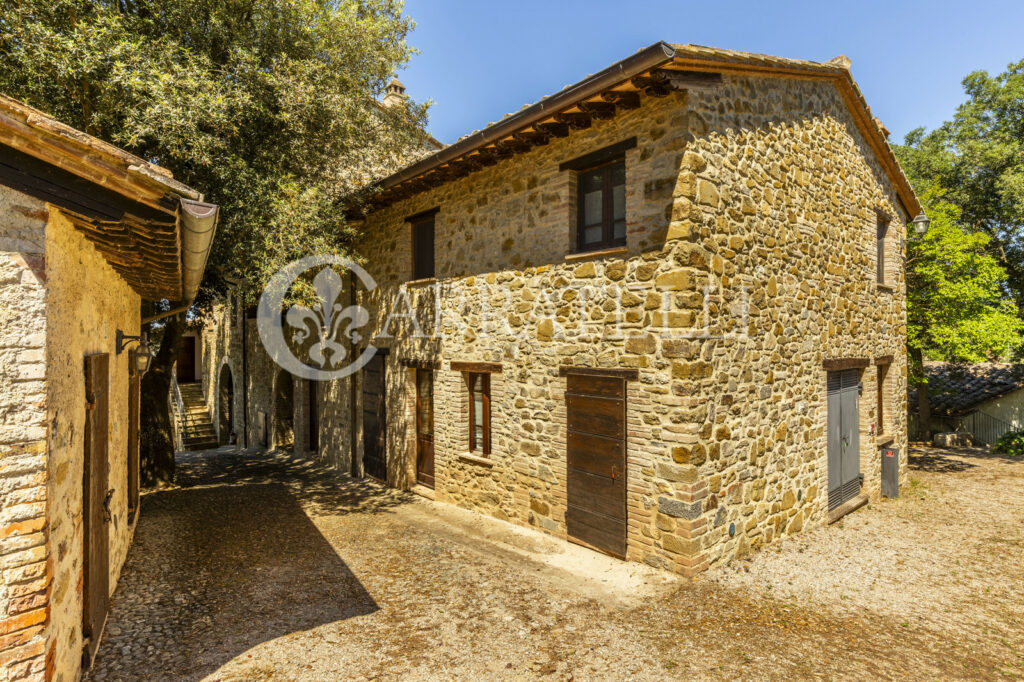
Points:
[(690, 57), (646, 59)]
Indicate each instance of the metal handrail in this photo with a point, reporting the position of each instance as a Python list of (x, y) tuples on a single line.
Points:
[(178, 415)]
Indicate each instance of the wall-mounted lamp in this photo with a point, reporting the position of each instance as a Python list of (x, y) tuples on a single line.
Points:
[(143, 355), (920, 224)]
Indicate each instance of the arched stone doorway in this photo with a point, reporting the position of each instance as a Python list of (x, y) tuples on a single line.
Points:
[(225, 405), (284, 411)]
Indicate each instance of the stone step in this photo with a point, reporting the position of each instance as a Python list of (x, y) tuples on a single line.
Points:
[(201, 446)]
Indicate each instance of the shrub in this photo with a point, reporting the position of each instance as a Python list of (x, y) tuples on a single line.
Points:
[(1010, 443)]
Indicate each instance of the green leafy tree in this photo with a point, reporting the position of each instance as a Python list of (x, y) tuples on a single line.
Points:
[(958, 309), (977, 159), (266, 106)]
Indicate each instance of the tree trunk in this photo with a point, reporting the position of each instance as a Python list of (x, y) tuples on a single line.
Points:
[(924, 408), (156, 449)]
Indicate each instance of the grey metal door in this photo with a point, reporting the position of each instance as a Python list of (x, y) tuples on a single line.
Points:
[(843, 436)]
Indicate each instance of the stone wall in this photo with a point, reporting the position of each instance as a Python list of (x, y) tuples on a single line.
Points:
[(750, 260), (86, 303), (59, 301), (221, 344), (24, 571)]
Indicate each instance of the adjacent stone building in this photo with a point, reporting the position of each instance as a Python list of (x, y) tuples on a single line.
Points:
[(87, 232), (660, 313)]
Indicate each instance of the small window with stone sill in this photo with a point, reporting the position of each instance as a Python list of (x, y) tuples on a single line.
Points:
[(882, 413), (601, 209), (882, 230)]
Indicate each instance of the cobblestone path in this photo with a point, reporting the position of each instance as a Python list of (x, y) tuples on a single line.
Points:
[(263, 567)]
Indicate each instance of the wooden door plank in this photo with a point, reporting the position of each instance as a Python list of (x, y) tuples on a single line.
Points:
[(602, 494), (597, 531), (598, 416), (594, 454), (596, 462), (96, 547), (601, 386)]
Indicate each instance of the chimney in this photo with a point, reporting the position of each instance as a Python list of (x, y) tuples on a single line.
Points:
[(881, 126), (394, 93)]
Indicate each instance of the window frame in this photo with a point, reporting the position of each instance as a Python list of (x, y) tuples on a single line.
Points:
[(485, 392), (608, 241), (417, 223), (882, 378)]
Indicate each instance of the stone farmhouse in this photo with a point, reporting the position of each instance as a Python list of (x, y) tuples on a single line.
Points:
[(87, 232), (660, 313)]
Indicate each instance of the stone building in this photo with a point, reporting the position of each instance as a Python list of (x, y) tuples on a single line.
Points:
[(660, 313), (87, 232)]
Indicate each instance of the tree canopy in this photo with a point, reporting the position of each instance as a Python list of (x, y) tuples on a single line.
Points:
[(266, 106), (957, 305), (977, 161)]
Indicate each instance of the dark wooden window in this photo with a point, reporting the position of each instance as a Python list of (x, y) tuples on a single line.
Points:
[(479, 412), (601, 222), (883, 229), (423, 248), (883, 375)]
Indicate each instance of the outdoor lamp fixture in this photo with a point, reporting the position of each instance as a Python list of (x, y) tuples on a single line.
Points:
[(143, 355), (920, 224)]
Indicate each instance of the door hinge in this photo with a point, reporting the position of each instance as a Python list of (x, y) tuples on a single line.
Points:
[(106, 505)]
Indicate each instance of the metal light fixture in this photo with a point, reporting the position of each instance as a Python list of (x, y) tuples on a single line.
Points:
[(143, 354), (920, 224)]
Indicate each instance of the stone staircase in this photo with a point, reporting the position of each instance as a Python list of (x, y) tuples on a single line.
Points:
[(196, 424)]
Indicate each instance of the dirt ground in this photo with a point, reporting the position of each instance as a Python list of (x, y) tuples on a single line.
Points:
[(261, 567)]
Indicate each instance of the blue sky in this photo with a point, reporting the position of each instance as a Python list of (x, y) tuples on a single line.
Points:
[(480, 59)]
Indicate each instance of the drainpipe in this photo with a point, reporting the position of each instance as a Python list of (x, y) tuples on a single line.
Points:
[(198, 223)]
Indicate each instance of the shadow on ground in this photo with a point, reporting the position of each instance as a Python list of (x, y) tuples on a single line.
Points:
[(230, 560), (952, 460), (322, 488)]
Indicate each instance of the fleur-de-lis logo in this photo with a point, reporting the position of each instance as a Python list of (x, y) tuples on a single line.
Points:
[(328, 326), (325, 320)]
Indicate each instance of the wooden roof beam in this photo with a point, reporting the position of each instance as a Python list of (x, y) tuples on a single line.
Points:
[(598, 110), (623, 99)]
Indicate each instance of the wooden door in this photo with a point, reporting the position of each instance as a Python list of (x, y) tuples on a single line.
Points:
[(596, 462), (186, 369), (314, 417), (425, 427), (843, 436), (374, 420), (134, 381), (95, 504)]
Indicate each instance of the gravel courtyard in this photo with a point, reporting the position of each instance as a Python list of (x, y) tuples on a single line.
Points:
[(262, 567)]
